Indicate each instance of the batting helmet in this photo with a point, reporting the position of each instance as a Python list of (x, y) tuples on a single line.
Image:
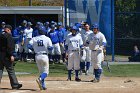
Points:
[(41, 30), (74, 28)]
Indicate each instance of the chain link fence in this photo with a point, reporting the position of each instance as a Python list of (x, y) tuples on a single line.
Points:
[(31, 2)]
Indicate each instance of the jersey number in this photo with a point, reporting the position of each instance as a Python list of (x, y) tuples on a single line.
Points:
[(40, 43)]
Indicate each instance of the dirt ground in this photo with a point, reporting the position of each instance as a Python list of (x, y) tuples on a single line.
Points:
[(60, 85)]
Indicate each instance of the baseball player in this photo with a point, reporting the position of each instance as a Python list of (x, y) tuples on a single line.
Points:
[(35, 31), (27, 36), (73, 44), (61, 35), (41, 44), (86, 50), (20, 41), (46, 24), (56, 52), (97, 43)]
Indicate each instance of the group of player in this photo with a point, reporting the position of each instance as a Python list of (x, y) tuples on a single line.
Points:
[(51, 41)]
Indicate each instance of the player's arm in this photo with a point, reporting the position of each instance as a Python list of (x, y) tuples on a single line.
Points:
[(50, 47), (66, 47), (104, 42), (81, 42)]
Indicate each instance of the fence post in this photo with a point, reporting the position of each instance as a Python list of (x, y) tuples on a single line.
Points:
[(65, 8), (112, 28)]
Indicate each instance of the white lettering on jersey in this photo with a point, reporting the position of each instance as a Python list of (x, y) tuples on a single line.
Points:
[(74, 42)]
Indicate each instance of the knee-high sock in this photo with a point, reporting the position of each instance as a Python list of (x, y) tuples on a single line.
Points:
[(43, 76), (69, 74), (76, 73), (82, 65), (97, 73)]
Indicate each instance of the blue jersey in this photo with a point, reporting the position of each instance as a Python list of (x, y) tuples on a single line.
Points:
[(53, 35), (21, 31), (35, 33), (61, 35), (16, 35)]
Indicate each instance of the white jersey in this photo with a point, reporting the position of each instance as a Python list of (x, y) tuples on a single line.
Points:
[(74, 42), (28, 33), (85, 36), (96, 40), (40, 44)]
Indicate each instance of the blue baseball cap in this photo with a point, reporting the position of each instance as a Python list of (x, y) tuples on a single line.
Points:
[(52, 26), (29, 23), (74, 28), (95, 26), (3, 23), (47, 23), (38, 23), (24, 21)]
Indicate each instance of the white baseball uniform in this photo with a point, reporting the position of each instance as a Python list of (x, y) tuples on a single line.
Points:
[(74, 43), (27, 37), (96, 45), (87, 53), (40, 45)]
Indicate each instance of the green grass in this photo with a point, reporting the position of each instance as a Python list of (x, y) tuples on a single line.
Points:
[(55, 70), (130, 70), (59, 70)]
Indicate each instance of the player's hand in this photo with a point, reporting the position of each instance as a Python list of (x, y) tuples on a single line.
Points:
[(12, 58)]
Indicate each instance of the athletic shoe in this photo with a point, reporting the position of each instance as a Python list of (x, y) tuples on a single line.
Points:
[(39, 82), (18, 86), (44, 86), (95, 80), (69, 79), (77, 79)]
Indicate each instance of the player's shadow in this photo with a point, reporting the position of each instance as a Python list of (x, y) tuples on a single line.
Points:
[(17, 89)]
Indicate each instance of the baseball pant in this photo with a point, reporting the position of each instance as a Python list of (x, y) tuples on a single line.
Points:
[(42, 63), (97, 58), (73, 60)]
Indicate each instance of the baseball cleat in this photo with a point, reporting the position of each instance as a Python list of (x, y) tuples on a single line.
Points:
[(77, 79), (18, 86), (44, 88), (95, 80), (69, 79), (39, 83)]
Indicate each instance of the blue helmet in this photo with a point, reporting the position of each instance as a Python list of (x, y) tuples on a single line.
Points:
[(95, 25), (74, 28), (41, 30)]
